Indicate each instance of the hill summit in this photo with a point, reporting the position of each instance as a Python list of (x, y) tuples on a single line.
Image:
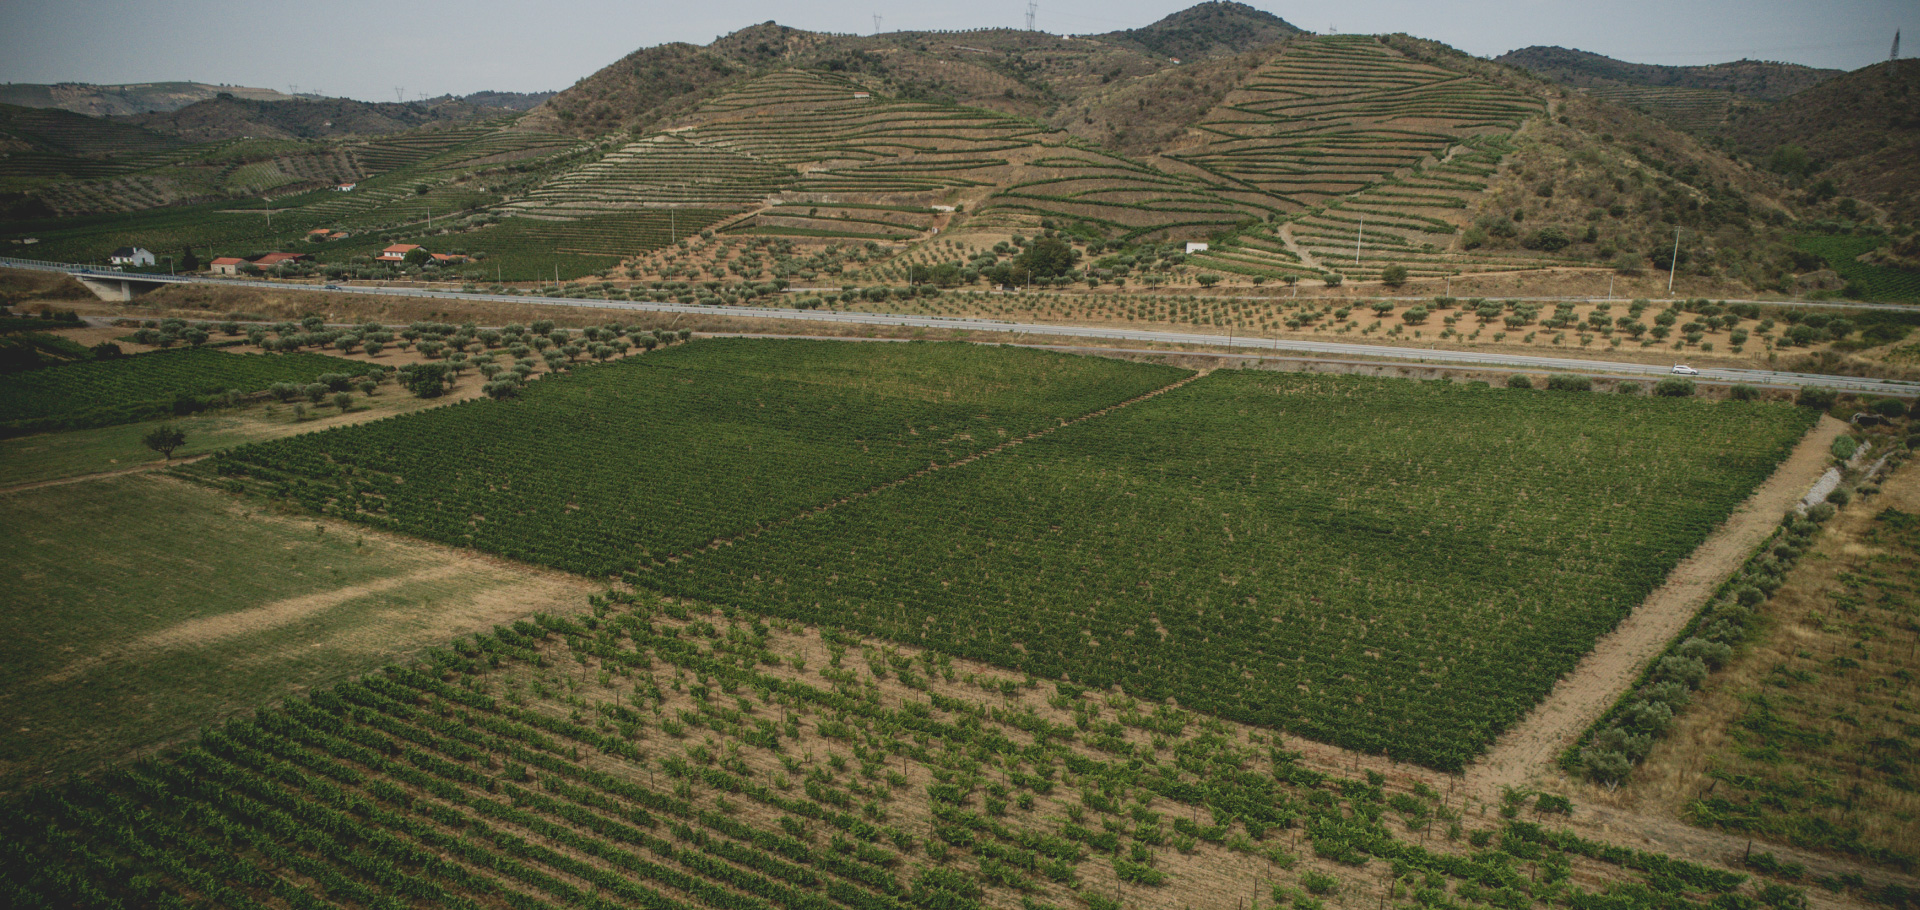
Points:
[(1212, 29)]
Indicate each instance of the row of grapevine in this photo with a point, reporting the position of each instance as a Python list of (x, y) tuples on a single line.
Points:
[(1391, 566), (667, 452), (444, 784), (102, 392)]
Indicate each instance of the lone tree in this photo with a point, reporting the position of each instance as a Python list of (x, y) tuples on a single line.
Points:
[(165, 438), (1393, 276)]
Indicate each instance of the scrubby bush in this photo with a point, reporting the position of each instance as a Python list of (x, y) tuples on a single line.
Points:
[(1519, 381), (1743, 392), (1816, 397), (1569, 382), (1674, 387), (1627, 388)]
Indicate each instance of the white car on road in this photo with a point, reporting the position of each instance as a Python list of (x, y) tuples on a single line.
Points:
[(1682, 369)]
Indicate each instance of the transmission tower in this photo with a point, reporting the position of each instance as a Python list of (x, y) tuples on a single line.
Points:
[(1032, 8), (876, 23), (1896, 46)]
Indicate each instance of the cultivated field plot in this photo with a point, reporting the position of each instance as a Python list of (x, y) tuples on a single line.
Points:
[(1400, 567), (679, 760), (98, 393), (137, 610), (1808, 736), (608, 466)]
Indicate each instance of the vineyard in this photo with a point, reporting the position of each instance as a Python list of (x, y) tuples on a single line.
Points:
[(1697, 110), (1133, 199), (1871, 281), (1336, 115), (651, 756), (528, 249), (1396, 567), (669, 451), (103, 392)]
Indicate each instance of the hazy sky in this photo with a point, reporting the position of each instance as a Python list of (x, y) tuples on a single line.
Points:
[(368, 50)]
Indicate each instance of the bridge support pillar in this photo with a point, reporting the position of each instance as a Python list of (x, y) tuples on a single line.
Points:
[(118, 290)]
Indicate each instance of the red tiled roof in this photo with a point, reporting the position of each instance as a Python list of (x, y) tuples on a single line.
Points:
[(229, 260)]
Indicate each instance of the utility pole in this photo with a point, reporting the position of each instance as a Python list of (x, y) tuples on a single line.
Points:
[(1675, 265), (1357, 233), (268, 205), (1896, 46)]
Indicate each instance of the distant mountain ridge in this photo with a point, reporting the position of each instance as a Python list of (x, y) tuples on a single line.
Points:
[(1760, 79), (131, 98), (165, 97), (326, 118)]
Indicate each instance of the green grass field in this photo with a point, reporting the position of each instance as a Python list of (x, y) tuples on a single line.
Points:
[(138, 609), (602, 468), (72, 453), (1398, 567)]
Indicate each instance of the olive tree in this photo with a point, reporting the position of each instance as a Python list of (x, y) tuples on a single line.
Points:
[(164, 439)]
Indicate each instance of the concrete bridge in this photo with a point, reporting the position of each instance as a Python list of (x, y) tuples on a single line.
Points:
[(105, 284)]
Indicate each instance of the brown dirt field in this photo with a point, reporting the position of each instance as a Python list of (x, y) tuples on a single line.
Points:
[(1526, 752)]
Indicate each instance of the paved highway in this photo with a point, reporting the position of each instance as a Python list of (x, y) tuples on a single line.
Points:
[(1236, 343)]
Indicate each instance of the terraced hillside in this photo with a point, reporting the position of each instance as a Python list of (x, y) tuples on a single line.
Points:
[(1696, 110), (1296, 157), (1336, 115)]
